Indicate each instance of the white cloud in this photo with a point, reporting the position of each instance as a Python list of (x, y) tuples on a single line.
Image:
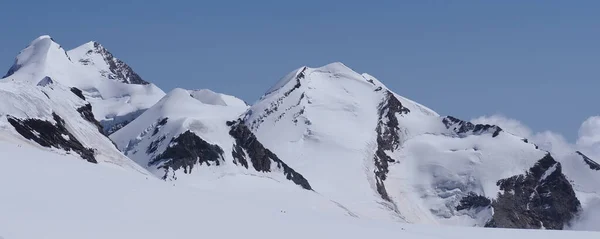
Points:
[(589, 135), (510, 125), (587, 142), (589, 219)]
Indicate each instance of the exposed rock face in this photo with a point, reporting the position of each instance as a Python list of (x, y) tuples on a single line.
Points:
[(87, 114), (77, 92), (274, 107), (14, 68), (388, 138), (542, 197), (593, 165), (185, 151), (248, 148), (159, 125), (118, 70), (154, 145), (51, 135), (45, 81), (464, 128), (473, 201)]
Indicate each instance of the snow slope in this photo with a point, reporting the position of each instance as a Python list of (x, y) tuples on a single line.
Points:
[(115, 101), (182, 113), (384, 156), (108, 203), (191, 137), (24, 102), (322, 121)]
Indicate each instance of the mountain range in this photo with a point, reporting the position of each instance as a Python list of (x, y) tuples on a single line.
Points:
[(322, 142)]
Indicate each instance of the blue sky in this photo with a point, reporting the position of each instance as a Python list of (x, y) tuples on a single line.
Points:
[(536, 61)]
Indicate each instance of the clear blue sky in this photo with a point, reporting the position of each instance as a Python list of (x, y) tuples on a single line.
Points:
[(536, 61)]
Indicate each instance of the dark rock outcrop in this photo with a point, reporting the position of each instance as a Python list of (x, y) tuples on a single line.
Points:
[(274, 106), (49, 135), (591, 163), (159, 125), (185, 151), (154, 145), (388, 138), (45, 81), (77, 92), (14, 68), (473, 201), (542, 197), (463, 128), (87, 114), (118, 70), (260, 157)]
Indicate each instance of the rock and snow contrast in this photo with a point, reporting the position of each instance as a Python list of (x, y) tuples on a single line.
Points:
[(325, 152), (117, 94)]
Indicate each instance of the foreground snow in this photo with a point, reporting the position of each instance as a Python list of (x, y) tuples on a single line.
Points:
[(45, 201)]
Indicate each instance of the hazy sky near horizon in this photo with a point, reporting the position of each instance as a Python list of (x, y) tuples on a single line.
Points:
[(535, 61)]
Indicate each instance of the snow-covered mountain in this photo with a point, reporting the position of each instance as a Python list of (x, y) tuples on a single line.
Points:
[(55, 118), (321, 140), (385, 156), (117, 94), (193, 136)]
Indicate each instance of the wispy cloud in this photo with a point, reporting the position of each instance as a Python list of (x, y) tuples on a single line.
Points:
[(588, 140)]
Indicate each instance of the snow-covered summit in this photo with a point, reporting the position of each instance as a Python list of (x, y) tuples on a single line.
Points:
[(94, 55), (117, 94), (210, 97), (42, 57), (384, 156)]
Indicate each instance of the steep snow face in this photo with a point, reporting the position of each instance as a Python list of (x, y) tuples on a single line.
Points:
[(322, 122), (192, 136), (55, 118), (384, 156), (41, 58), (103, 79)]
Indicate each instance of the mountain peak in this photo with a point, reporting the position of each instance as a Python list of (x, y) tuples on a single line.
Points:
[(93, 54), (41, 38), (34, 57), (336, 67)]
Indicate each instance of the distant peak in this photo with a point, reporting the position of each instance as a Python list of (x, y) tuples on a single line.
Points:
[(94, 54), (93, 45), (36, 54), (336, 65), (43, 39)]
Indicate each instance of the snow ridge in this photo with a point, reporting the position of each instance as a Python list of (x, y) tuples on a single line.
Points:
[(93, 54)]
